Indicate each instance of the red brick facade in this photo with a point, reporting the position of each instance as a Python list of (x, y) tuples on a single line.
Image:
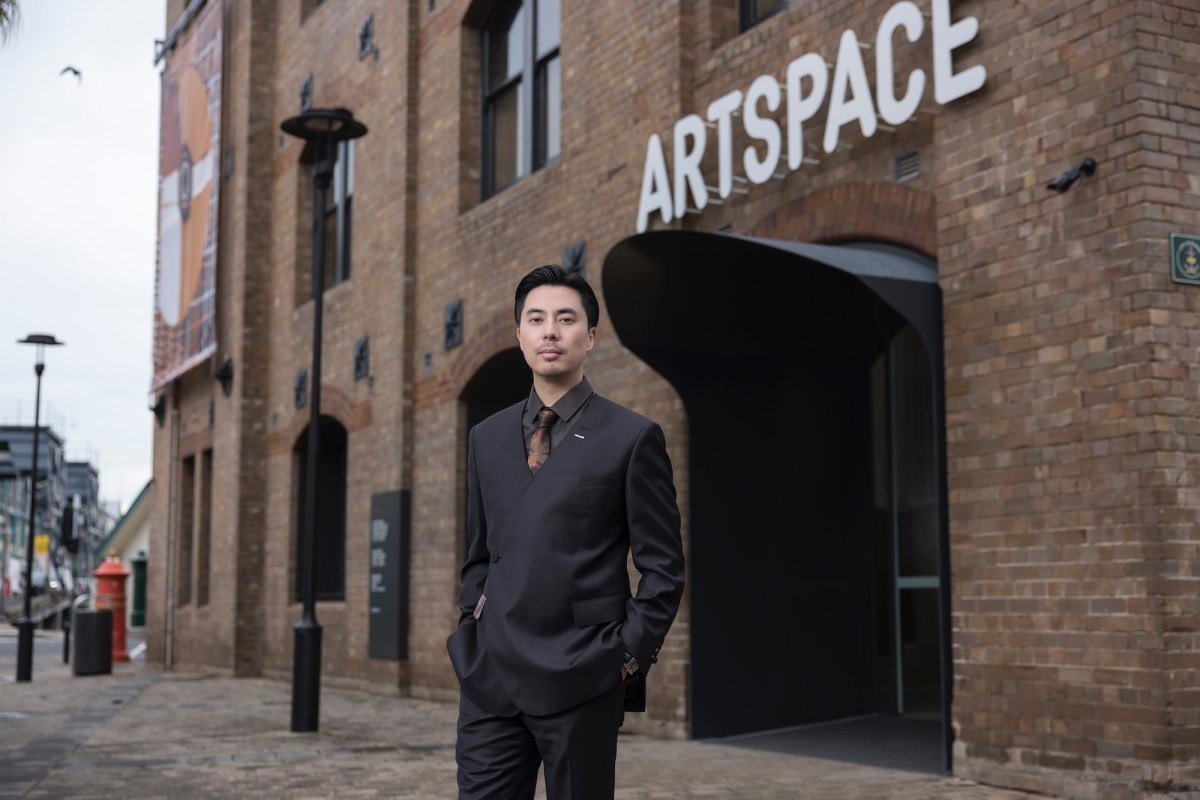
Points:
[(1073, 439)]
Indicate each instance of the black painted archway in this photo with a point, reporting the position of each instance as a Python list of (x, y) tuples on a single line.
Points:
[(769, 345)]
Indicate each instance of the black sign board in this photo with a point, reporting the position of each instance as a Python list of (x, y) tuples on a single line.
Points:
[(388, 580)]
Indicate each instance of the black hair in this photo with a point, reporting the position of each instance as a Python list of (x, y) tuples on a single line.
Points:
[(554, 275)]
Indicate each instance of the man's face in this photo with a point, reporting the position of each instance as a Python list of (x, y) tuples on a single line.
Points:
[(554, 333)]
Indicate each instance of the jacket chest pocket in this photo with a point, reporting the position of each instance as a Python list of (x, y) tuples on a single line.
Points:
[(610, 608), (593, 481)]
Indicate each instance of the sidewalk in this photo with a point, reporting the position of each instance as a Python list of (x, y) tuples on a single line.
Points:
[(142, 733)]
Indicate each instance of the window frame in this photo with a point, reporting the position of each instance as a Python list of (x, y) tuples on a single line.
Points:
[(337, 219), (185, 530), (203, 544), (532, 147), (340, 201), (748, 17)]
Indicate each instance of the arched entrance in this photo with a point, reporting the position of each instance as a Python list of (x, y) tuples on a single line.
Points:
[(811, 375), (329, 562), (502, 380)]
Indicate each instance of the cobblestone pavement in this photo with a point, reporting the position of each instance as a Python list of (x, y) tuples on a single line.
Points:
[(141, 733)]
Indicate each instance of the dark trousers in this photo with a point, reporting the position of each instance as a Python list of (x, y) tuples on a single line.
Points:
[(498, 757)]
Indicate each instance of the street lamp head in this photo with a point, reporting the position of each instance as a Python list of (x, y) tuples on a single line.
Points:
[(40, 338), (324, 125)]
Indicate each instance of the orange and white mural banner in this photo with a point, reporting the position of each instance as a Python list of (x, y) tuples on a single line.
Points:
[(189, 176)]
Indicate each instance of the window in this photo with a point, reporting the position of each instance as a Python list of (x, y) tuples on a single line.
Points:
[(337, 219), (186, 512), (752, 12), (329, 562), (204, 540), (338, 204), (521, 91), (307, 7)]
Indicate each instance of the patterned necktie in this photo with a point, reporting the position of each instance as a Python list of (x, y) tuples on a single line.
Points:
[(539, 443)]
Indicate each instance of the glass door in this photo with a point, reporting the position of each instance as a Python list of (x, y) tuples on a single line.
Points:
[(907, 516)]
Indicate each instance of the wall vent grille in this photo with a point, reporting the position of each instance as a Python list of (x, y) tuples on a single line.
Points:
[(908, 166)]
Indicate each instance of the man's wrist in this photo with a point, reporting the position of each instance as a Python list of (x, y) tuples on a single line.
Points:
[(630, 665)]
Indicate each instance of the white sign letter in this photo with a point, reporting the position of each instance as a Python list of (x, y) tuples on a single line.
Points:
[(849, 70), (656, 186), (947, 86), (800, 108), (687, 162), (765, 87), (904, 14), (719, 111)]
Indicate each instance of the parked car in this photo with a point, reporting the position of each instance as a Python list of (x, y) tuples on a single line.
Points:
[(37, 581), (42, 584)]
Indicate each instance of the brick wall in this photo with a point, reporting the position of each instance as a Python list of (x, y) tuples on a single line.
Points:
[(1068, 405), (1069, 353), (478, 250), (371, 304)]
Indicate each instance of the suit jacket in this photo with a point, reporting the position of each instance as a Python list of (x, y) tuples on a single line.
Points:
[(550, 552)]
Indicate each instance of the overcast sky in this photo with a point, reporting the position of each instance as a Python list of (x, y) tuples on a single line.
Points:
[(78, 206)]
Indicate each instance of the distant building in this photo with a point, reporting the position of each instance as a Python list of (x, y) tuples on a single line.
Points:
[(83, 492), (14, 525), (110, 515), (17, 440)]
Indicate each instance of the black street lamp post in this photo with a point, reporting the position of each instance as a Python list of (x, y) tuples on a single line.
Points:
[(25, 623), (324, 127)]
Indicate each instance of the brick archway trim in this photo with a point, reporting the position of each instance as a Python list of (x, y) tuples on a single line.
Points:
[(881, 212), (335, 403), (497, 334)]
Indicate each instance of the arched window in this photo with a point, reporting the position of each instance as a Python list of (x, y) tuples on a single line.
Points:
[(330, 529)]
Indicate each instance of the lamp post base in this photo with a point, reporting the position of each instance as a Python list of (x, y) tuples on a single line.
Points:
[(306, 677), (24, 649)]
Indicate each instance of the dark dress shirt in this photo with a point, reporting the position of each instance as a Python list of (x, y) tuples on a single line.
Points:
[(568, 408)]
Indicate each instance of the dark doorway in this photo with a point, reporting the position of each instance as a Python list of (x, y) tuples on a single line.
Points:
[(329, 563), (503, 380), (794, 365)]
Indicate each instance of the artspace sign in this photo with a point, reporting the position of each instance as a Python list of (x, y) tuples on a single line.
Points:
[(805, 90)]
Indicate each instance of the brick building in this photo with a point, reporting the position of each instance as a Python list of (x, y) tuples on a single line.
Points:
[(972, 504)]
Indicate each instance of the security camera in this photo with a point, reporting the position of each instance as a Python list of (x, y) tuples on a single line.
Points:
[(1068, 178)]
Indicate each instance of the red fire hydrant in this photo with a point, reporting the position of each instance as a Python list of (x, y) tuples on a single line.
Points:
[(110, 594)]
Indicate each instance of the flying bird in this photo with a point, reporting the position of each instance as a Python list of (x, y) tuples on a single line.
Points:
[(73, 71)]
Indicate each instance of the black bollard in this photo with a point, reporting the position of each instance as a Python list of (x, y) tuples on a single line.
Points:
[(66, 626)]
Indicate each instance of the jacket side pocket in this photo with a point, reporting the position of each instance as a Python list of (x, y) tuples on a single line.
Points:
[(610, 608)]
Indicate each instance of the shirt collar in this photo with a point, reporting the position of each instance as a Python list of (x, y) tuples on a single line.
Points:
[(567, 406)]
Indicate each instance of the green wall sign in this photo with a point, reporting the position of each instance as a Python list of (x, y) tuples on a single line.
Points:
[(1185, 258)]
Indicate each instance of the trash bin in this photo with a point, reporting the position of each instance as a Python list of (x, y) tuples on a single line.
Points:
[(93, 642)]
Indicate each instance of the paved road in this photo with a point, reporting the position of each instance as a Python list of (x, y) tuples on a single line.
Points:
[(43, 648), (141, 733)]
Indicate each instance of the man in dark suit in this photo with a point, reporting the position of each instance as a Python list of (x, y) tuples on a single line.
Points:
[(552, 647)]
